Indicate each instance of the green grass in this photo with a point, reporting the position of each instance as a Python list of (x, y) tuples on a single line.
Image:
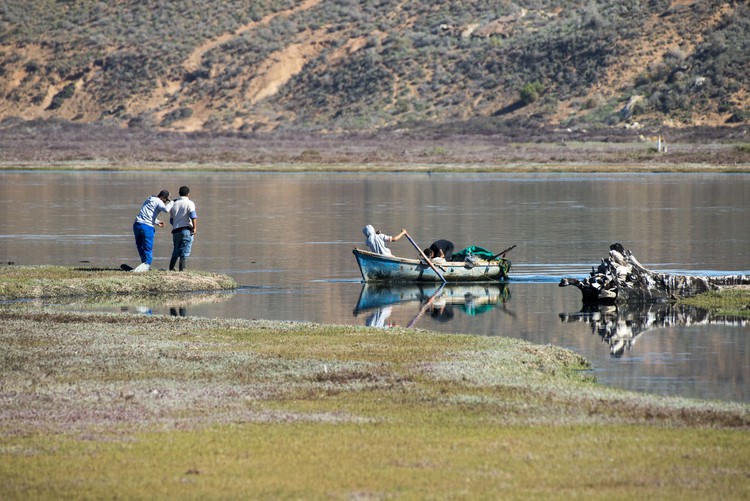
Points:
[(101, 405), (734, 302), (55, 281), (391, 461)]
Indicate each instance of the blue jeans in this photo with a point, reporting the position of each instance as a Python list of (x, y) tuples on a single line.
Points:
[(183, 243), (144, 241)]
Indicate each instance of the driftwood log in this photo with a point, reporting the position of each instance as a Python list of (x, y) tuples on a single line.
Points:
[(621, 279)]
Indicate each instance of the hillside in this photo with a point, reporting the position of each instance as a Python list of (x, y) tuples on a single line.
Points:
[(338, 65)]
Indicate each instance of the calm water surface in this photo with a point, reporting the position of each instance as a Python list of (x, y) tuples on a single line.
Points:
[(287, 239)]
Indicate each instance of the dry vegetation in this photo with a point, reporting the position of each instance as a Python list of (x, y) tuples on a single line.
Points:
[(56, 145)]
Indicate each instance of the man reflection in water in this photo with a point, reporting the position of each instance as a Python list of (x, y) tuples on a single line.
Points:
[(379, 317), (178, 312), (442, 311)]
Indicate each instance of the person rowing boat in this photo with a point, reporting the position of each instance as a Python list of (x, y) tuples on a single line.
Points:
[(376, 240)]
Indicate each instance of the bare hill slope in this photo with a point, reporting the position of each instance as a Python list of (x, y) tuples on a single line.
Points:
[(336, 65)]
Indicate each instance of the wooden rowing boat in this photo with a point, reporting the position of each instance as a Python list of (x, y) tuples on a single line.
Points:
[(381, 268)]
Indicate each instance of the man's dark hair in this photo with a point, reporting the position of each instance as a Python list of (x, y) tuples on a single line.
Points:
[(184, 190), (163, 194)]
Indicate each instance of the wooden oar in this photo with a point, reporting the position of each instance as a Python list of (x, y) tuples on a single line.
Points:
[(425, 306), (427, 260), (503, 253)]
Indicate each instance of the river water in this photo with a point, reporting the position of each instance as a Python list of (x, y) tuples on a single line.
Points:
[(287, 238)]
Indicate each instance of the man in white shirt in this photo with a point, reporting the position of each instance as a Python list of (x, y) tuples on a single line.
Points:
[(144, 227), (184, 221)]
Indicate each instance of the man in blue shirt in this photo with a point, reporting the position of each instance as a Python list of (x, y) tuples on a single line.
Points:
[(144, 227)]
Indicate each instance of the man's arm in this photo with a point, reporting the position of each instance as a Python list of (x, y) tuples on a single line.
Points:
[(403, 232), (193, 218)]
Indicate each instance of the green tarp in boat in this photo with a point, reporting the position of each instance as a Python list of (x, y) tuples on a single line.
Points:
[(473, 250)]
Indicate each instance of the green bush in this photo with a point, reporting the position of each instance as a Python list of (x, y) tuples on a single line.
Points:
[(530, 92)]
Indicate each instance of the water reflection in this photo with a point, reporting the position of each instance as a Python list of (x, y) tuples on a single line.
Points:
[(439, 302), (177, 304), (621, 326), (179, 311)]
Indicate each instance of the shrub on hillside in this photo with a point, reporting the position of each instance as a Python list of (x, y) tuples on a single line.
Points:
[(59, 98), (176, 115), (530, 92)]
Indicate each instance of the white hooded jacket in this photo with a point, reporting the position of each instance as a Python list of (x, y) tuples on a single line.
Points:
[(376, 241)]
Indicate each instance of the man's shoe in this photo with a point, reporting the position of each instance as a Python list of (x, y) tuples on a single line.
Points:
[(141, 268)]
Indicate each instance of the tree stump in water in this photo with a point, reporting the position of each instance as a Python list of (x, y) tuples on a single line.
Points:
[(621, 279)]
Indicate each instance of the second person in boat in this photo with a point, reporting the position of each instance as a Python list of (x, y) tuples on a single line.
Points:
[(440, 249)]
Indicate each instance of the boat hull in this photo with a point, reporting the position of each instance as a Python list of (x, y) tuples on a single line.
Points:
[(380, 268)]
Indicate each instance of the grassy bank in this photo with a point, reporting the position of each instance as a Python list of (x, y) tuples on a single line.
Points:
[(57, 281), (733, 301), (98, 405)]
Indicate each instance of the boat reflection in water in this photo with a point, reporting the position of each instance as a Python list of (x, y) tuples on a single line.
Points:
[(440, 302), (621, 326)]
